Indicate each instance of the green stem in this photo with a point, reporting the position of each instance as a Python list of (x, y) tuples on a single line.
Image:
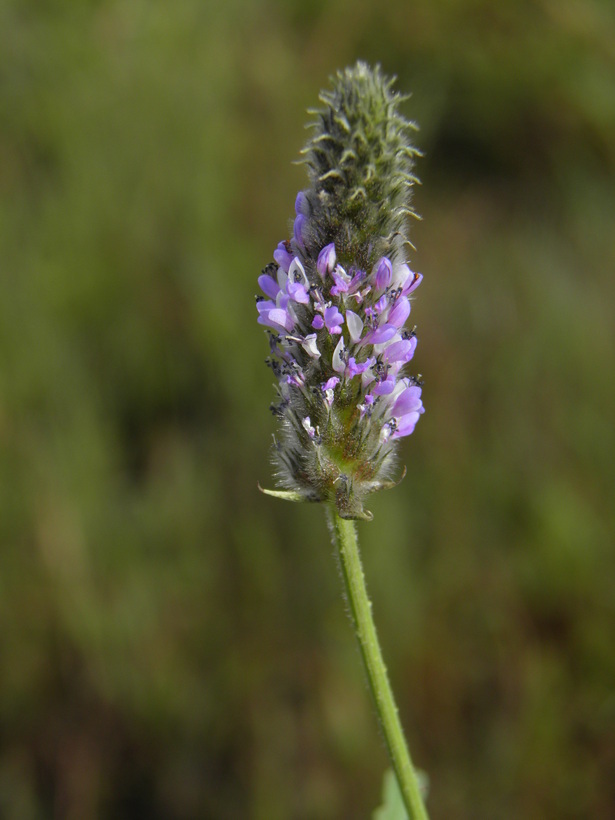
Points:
[(345, 540)]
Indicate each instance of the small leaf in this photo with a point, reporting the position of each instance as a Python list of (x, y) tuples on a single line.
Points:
[(392, 807), (286, 495), (388, 485), (360, 515)]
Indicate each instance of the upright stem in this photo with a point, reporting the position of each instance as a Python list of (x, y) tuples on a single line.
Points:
[(345, 540)]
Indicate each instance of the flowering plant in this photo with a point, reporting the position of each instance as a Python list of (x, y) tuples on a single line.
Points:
[(335, 304), (336, 300)]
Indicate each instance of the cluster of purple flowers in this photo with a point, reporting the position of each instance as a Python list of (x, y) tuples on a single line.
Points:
[(337, 298), (337, 327)]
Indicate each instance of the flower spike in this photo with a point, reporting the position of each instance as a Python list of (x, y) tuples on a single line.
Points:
[(336, 300)]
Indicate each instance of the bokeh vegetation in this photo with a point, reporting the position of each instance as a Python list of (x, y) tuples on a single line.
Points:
[(173, 644)]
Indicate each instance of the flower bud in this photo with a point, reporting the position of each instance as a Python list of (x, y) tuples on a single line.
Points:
[(326, 261), (384, 273)]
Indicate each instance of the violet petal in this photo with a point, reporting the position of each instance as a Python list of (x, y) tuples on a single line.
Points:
[(408, 402), (298, 292), (381, 334), (385, 387), (384, 273), (333, 318), (301, 203), (406, 425), (282, 256), (401, 351), (326, 260), (318, 322), (299, 227), (331, 383), (399, 312), (412, 284)]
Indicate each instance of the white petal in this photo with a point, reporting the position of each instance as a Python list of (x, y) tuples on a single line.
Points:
[(310, 347), (367, 378), (282, 279), (296, 272), (339, 365), (307, 424), (401, 273), (399, 388), (355, 325)]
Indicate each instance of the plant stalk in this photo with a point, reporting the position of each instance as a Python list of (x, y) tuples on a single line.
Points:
[(345, 540)]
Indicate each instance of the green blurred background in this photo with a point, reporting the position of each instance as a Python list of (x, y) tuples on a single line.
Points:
[(172, 643)]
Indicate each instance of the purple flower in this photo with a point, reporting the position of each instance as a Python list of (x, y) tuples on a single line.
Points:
[(406, 279), (381, 335), (299, 228), (301, 204), (295, 379), (406, 411), (327, 388), (381, 305), (276, 317), (357, 277), (406, 424), (383, 273), (401, 351), (399, 312), (355, 369), (408, 401), (384, 387), (268, 285), (283, 256), (331, 383), (333, 320), (342, 281), (318, 322), (297, 292), (298, 283), (326, 260), (412, 284)]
